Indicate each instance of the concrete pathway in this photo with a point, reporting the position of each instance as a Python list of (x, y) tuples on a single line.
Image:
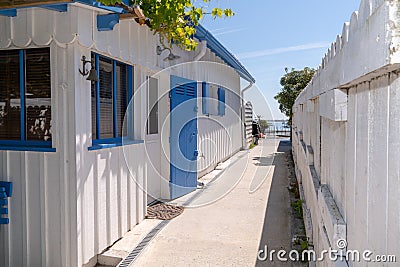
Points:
[(276, 234), (222, 225)]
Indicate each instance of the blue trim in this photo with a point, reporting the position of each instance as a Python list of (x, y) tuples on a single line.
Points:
[(25, 143), (3, 211), (22, 92), (121, 142), (107, 22), (114, 96), (97, 97), (12, 12), (27, 148), (215, 46), (130, 83), (7, 188), (107, 141), (56, 7), (4, 221), (130, 117)]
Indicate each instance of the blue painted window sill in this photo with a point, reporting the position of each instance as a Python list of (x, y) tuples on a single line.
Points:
[(27, 148), (119, 143)]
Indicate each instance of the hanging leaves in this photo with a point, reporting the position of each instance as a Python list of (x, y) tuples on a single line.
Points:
[(175, 20)]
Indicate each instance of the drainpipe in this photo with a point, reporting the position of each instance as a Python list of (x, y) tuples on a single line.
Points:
[(203, 50), (243, 114)]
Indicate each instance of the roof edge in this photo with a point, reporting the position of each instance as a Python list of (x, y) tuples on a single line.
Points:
[(219, 49)]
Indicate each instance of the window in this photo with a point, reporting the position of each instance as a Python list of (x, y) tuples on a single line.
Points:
[(25, 98), (213, 101), (110, 100), (152, 108), (221, 101)]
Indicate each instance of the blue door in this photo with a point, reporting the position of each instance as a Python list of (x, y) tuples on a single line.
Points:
[(183, 137)]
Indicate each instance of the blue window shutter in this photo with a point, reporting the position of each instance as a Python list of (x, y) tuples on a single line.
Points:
[(205, 97), (221, 101)]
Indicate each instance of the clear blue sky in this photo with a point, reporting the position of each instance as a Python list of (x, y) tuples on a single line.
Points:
[(269, 35)]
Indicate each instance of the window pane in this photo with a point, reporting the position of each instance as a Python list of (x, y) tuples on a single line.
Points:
[(38, 94), (106, 98), (122, 98), (152, 121), (10, 108)]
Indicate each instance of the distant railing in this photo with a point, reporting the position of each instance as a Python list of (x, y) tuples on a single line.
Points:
[(277, 128), (274, 132)]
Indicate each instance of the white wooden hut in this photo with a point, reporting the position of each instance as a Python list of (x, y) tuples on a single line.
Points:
[(81, 176)]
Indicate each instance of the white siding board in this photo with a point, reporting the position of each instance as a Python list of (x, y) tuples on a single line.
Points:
[(113, 40), (5, 31), (123, 195), (52, 209), (393, 208), (377, 168), (87, 22), (15, 175), (112, 194), (33, 206), (65, 25), (102, 198), (125, 43), (20, 26), (351, 161), (362, 192), (42, 26)]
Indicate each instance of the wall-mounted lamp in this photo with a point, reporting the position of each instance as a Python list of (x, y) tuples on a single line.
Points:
[(92, 72), (171, 56)]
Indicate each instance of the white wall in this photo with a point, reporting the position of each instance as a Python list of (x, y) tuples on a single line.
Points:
[(219, 136), (349, 115)]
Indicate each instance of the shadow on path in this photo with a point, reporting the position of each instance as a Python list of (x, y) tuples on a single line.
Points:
[(276, 230)]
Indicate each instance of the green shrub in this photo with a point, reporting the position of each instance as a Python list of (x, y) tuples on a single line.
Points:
[(298, 208)]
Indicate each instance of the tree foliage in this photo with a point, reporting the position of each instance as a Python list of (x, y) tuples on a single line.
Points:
[(293, 82), (263, 125), (175, 20)]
